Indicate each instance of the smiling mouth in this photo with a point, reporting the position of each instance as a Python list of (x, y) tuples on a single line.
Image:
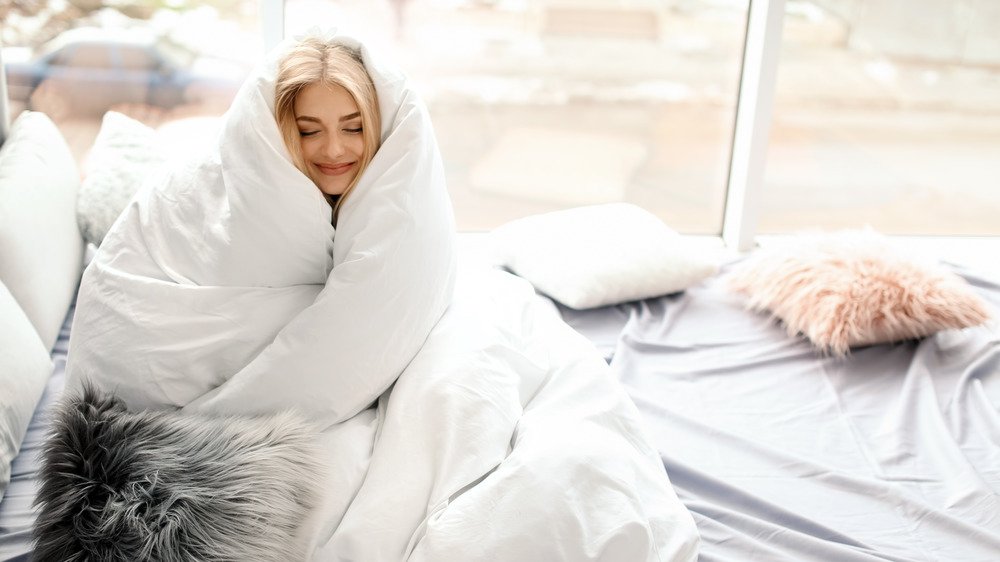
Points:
[(334, 170)]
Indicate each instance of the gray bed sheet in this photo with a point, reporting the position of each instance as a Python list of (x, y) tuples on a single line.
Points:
[(783, 454), (16, 513)]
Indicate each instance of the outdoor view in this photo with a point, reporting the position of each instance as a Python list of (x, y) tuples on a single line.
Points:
[(156, 61), (887, 113)]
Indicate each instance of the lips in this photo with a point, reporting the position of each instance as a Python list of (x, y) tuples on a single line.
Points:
[(334, 169)]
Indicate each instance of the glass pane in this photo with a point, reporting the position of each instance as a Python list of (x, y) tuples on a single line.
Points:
[(138, 59), (887, 113), (85, 56), (545, 104), (75, 61)]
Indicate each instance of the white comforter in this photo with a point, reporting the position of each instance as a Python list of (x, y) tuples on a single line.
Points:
[(490, 431), (504, 439)]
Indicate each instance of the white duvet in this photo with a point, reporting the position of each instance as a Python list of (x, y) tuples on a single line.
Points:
[(460, 424)]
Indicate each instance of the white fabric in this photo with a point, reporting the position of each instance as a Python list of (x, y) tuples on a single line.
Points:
[(25, 367), (505, 439), (123, 156), (599, 255), (41, 250), (223, 290)]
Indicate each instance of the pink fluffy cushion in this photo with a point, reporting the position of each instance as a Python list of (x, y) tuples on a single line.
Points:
[(855, 288)]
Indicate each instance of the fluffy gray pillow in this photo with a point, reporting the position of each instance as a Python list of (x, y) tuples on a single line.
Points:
[(41, 251), (161, 485), (124, 154)]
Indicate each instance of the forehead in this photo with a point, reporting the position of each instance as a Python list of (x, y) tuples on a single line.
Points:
[(327, 102)]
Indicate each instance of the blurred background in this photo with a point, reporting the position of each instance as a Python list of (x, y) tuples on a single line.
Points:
[(887, 112)]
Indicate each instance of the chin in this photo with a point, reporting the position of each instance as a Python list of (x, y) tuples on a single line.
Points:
[(331, 188), (338, 190)]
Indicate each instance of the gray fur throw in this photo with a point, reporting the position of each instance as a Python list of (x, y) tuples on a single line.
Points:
[(165, 486)]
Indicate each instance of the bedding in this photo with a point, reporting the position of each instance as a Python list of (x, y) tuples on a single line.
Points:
[(854, 287), (125, 153), (458, 419), (17, 516), (779, 452), (784, 453), (41, 250), (596, 255), (24, 368), (110, 475)]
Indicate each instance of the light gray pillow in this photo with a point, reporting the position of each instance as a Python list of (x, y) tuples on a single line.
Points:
[(41, 250), (25, 367), (599, 255), (124, 154)]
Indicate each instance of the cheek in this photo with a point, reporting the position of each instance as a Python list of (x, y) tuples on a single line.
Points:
[(357, 145), (307, 148)]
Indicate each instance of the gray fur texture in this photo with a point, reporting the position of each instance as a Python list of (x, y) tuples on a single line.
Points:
[(153, 485)]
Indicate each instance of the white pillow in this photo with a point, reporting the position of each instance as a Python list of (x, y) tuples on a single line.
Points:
[(25, 367), (123, 156), (598, 255), (41, 251)]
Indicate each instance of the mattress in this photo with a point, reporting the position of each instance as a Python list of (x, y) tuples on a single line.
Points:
[(16, 514), (781, 453)]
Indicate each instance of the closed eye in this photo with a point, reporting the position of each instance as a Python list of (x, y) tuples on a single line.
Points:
[(307, 133), (353, 131)]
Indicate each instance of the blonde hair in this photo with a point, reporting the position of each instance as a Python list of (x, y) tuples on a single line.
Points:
[(316, 61)]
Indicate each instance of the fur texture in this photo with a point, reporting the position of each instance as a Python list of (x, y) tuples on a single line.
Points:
[(854, 288), (153, 485)]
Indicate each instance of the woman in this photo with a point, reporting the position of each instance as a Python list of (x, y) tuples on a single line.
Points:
[(327, 111), (224, 290), (224, 287)]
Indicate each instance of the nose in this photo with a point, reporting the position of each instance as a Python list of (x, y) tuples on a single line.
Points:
[(334, 148)]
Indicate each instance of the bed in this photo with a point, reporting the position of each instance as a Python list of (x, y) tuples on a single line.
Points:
[(779, 451), (16, 510)]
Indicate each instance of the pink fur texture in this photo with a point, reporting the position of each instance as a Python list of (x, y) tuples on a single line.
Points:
[(853, 288)]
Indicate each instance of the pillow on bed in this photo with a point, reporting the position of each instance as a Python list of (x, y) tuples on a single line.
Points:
[(123, 155), (166, 485), (599, 255), (854, 288), (25, 367), (41, 251)]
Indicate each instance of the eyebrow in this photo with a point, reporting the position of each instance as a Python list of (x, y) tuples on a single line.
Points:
[(354, 115)]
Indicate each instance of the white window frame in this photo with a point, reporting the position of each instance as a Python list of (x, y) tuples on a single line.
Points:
[(4, 109), (272, 22), (755, 101)]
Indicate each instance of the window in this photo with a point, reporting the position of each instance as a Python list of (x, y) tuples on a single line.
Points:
[(85, 56), (152, 63), (135, 58), (886, 113), (542, 105)]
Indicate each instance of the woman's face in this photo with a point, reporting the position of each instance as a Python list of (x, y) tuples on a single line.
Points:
[(330, 136)]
